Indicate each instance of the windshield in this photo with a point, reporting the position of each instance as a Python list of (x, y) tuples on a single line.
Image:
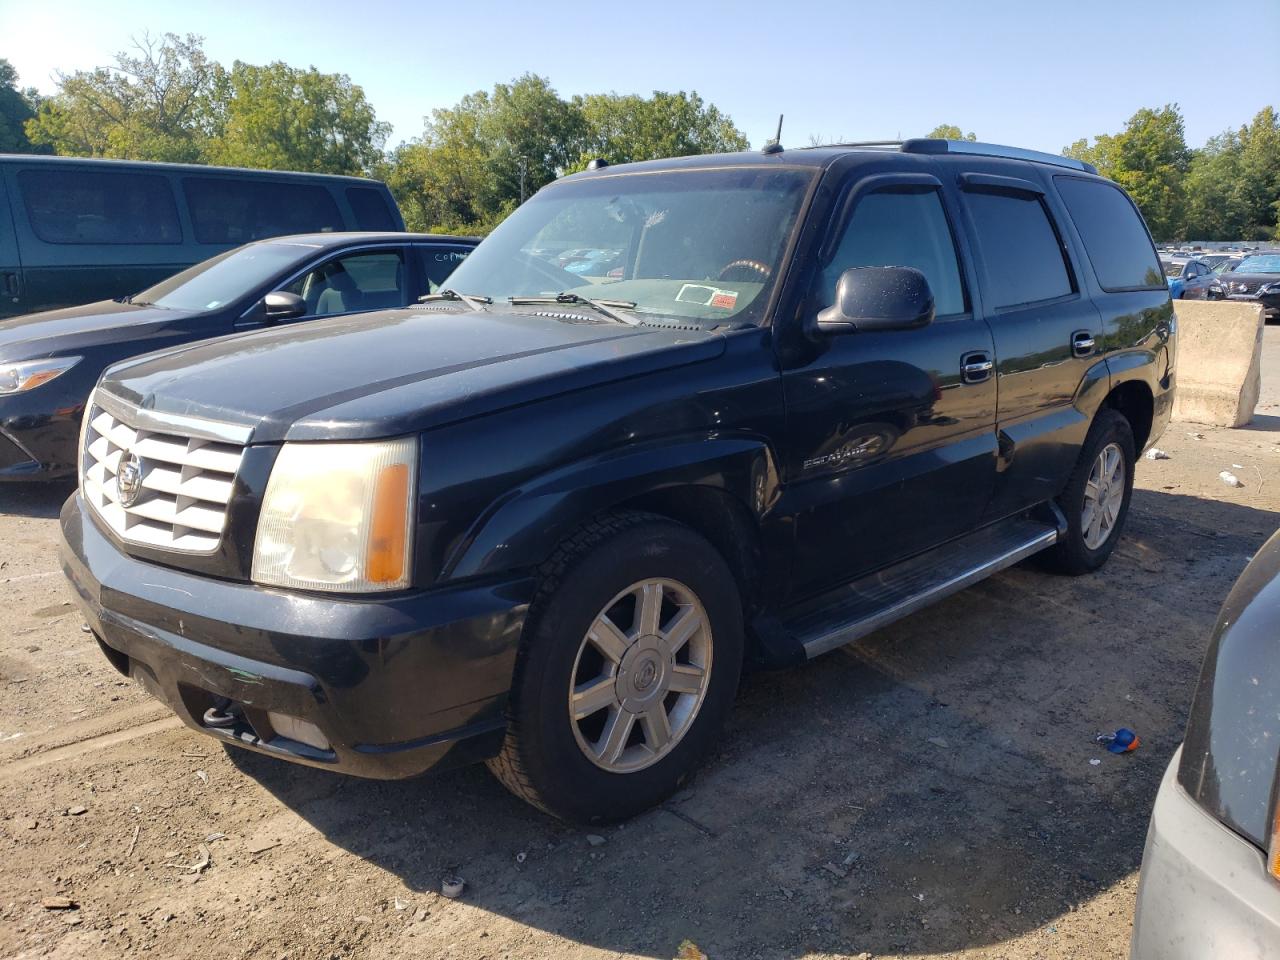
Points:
[(1227, 265), (700, 245), (1265, 264), (222, 279)]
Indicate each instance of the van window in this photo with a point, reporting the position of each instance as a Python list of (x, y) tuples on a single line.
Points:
[(900, 227), (1115, 240), (440, 262), (237, 211), (84, 206), (370, 208), (1020, 246)]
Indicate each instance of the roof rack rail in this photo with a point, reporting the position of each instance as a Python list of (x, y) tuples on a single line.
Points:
[(926, 145)]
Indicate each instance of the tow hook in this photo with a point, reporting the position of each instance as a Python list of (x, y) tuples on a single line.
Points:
[(219, 716)]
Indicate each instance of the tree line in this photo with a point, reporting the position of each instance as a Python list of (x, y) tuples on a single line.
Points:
[(476, 161)]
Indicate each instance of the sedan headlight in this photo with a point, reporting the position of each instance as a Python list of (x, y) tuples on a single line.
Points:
[(338, 517), (29, 374), (1269, 288)]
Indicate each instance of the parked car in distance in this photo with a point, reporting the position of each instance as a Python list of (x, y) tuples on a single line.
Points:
[(75, 230), (1187, 279), (1210, 882), (49, 361), (544, 518), (1255, 279)]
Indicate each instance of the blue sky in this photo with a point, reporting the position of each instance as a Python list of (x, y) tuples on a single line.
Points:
[(1030, 73)]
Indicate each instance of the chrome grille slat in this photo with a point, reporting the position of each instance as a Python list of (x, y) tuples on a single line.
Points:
[(187, 478)]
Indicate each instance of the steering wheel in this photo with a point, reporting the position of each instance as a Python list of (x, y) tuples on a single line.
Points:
[(753, 270), (558, 278)]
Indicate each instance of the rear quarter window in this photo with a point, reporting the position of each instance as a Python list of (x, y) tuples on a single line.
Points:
[(1115, 239), (238, 211), (99, 207), (370, 208)]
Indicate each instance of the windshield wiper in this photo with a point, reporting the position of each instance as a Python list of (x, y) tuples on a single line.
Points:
[(608, 308), (453, 296)]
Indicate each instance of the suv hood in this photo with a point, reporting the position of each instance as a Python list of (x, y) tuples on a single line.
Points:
[(396, 372)]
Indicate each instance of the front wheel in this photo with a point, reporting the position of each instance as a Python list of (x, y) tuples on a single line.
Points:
[(628, 667), (1096, 498)]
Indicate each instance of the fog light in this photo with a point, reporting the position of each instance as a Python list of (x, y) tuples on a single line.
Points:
[(299, 730)]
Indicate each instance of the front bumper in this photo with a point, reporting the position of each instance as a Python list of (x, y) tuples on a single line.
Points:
[(396, 685), (40, 429), (1204, 890)]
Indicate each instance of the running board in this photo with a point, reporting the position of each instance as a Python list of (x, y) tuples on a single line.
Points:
[(856, 609)]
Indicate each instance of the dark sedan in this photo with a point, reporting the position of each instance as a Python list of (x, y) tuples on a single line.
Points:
[(50, 361), (1255, 279)]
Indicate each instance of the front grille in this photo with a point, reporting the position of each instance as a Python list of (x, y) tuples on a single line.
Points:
[(176, 487)]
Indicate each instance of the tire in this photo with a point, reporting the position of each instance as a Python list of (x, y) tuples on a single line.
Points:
[(571, 767), (1080, 551)]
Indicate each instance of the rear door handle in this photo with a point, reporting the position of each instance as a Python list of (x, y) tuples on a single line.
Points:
[(11, 287), (1082, 343), (976, 367)]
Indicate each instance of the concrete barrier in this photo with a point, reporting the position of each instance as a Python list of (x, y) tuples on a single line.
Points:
[(1219, 361)]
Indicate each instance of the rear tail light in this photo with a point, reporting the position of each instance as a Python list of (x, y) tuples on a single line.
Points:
[(1273, 851)]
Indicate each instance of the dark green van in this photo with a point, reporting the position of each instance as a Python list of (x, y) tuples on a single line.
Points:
[(74, 230)]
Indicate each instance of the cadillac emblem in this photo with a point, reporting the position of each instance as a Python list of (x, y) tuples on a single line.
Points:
[(129, 480)]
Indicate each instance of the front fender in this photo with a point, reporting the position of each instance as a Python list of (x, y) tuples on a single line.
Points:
[(524, 527)]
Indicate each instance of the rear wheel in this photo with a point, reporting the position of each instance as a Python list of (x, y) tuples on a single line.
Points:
[(628, 667), (1096, 499)]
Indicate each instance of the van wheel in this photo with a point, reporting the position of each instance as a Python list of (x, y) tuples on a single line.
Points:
[(628, 667), (1096, 499)]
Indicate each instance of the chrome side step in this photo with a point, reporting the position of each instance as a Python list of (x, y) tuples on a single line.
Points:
[(856, 609)]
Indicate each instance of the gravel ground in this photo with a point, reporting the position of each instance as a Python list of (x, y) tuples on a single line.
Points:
[(926, 792)]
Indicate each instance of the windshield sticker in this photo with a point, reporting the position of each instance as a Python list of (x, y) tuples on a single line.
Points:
[(707, 296)]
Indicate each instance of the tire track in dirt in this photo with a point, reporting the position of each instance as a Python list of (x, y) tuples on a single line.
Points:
[(86, 736)]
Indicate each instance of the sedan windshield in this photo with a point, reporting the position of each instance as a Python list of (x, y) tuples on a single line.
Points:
[(699, 245), (1265, 264), (219, 280)]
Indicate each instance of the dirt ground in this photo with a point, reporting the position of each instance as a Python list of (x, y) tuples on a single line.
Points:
[(931, 791)]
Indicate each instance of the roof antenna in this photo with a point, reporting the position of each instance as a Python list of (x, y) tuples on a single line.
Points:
[(774, 145)]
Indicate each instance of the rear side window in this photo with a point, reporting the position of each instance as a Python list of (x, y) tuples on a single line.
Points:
[(900, 227), (371, 210), (88, 206), (238, 211), (440, 262), (1117, 243), (1020, 247)]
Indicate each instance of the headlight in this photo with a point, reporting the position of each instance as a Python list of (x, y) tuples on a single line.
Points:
[(338, 516), (29, 374), (1269, 288)]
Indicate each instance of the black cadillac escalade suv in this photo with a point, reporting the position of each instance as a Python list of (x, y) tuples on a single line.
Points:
[(671, 418)]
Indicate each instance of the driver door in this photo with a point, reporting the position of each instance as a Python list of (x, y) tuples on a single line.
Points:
[(892, 449)]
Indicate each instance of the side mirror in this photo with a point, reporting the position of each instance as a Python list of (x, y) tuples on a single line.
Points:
[(878, 298), (284, 306)]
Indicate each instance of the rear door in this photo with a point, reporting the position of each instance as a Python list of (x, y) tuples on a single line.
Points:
[(11, 286), (890, 449), (1047, 332)]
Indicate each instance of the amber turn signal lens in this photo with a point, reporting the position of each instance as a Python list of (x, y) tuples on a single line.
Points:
[(389, 529), (1273, 852)]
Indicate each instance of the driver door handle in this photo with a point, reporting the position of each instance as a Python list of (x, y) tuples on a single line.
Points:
[(1082, 343), (976, 367)]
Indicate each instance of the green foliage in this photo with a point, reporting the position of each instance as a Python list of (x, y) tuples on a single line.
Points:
[(476, 161), (949, 131), (166, 100), (16, 108), (624, 129), (1227, 190), (154, 104), (279, 117)]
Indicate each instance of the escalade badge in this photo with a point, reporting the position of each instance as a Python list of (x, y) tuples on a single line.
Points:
[(129, 480)]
